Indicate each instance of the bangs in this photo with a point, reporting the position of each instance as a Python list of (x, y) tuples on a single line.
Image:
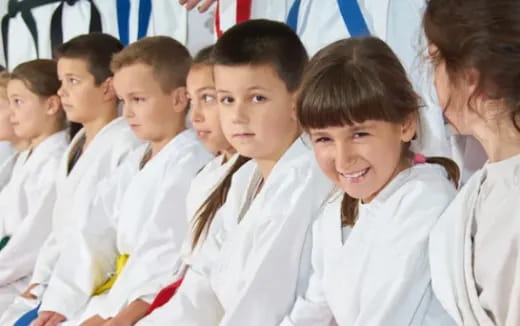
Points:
[(341, 94)]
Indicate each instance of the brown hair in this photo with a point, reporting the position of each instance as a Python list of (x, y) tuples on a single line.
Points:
[(354, 80), (96, 49), (206, 213), (203, 57), (483, 35), (40, 76), (169, 59), (264, 42), (4, 79)]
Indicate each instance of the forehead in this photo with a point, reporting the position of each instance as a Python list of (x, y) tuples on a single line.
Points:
[(135, 77), (74, 66), (200, 76), (17, 87), (241, 77)]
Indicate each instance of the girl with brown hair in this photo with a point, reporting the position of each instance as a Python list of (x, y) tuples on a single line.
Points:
[(370, 244), (26, 202), (474, 249)]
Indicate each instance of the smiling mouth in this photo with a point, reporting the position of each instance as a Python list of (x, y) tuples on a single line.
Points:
[(355, 175)]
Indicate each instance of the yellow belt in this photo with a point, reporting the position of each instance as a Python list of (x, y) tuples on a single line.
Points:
[(120, 264)]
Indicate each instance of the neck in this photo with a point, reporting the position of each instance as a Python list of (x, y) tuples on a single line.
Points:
[(228, 153), (94, 126), (41, 137), (266, 165), (20, 144), (500, 139), (158, 145)]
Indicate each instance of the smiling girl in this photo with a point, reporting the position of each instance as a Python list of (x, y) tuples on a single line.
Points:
[(369, 255)]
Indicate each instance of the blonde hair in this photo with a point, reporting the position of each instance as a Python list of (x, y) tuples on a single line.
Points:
[(169, 59)]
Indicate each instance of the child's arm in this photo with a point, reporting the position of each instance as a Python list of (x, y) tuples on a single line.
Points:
[(312, 308), (17, 258), (156, 255), (86, 258)]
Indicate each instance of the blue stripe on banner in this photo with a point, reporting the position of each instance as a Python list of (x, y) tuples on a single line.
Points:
[(145, 11), (123, 20), (28, 317), (292, 18), (353, 18)]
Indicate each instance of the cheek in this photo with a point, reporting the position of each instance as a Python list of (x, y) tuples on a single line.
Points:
[(212, 117), (442, 87), (325, 157), (225, 119)]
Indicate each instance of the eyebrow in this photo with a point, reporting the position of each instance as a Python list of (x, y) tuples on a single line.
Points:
[(361, 126), (206, 88)]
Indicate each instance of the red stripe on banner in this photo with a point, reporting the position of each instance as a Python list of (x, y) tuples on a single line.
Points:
[(217, 20), (243, 10), (243, 14)]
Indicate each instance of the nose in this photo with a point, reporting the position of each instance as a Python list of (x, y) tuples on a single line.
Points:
[(128, 111), (61, 91), (196, 114), (345, 157), (240, 114)]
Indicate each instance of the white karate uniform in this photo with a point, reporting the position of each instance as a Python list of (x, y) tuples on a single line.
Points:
[(21, 44), (140, 213), (377, 272), (474, 249), (26, 205), (320, 22), (75, 192), (197, 263), (76, 18), (267, 9), (254, 278), (8, 155)]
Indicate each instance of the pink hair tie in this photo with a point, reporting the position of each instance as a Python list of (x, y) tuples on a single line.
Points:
[(419, 158)]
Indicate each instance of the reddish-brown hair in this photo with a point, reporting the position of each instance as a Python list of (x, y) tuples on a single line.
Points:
[(483, 35)]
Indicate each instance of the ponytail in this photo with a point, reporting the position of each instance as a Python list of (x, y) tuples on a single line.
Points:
[(209, 208)]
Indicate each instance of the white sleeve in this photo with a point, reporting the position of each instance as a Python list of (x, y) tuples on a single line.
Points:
[(267, 298), (500, 295), (87, 257), (400, 267), (312, 308), (157, 253), (46, 261), (18, 257), (195, 302)]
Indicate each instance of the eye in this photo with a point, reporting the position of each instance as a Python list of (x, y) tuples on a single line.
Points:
[(17, 101), (358, 135), (259, 99), (322, 139), (73, 81), (227, 100), (207, 98), (137, 99)]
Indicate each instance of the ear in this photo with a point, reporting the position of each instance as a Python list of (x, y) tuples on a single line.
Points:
[(409, 127), (179, 98), (294, 103), (109, 94), (53, 105)]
